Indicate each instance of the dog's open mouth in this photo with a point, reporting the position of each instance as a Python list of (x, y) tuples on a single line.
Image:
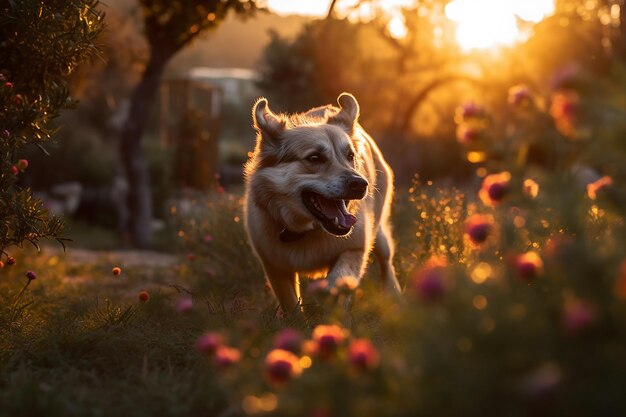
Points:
[(333, 214)]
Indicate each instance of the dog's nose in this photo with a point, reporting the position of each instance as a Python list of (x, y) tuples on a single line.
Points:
[(357, 185)]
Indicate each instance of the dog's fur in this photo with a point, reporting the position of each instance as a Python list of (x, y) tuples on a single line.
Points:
[(325, 153)]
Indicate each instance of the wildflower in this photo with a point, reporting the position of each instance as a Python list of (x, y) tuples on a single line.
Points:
[(31, 275), (469, 110), (288, 339), (1, 264), (577, 315), (6, 133), (143, 296), (327, 339), (530, 188), (14, 170), (184, 304), (282, 366), (597, 187), (494, 188), (528, 265), (11, 261), (564, 110), (22, 164), (225, 357), (191, 256), (362, 355), (345, 285), (117, 271), (207, 238), (430, 281), (478, 228), (18, 99), (467, 134), (208, 343), (520, 96), (8, 85), (318, 287)]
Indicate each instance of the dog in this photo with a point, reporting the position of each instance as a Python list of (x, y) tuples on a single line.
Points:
[(317, 200)]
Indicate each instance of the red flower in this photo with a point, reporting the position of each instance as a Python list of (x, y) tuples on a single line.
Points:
[(327, 340), (22, 164), (225, 357), (1, 264), (431, 281), (14, 170), (8, 85), (363, 355), (143, 296), (117, 271), (282, 366), (478, 228), (494, 188), (208, 343), (288, 339), (528, 265), (564, 110), (11, 261)]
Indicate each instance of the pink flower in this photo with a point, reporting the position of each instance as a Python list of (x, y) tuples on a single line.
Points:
[(207, 238), (225, 357), (467, 134), (14, 170), (184, 304), (469, 110), (520, 96), (288, 339), (528, 265), (478, 228), (494, 188), (208, 343), (362, 355), (327, 340), (578, 315), (282, 366), (31, 275), (8, 85), (431, 280)]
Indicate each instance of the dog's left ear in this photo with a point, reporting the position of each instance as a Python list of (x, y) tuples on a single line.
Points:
[(266, 122), (348, 114)]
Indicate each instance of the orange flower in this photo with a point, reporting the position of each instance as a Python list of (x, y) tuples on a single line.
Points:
[(478, 228), (564, 110), (143, 296), (225, 357), (116, 271), (282, 366), (595, 188), (529, 265), (494, 188), (327, 340), (362, 355)]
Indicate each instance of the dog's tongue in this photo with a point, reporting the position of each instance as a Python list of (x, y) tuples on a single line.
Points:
[(337, 208)]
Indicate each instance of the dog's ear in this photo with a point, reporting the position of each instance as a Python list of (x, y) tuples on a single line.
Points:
[(348, 114), (267, 123)]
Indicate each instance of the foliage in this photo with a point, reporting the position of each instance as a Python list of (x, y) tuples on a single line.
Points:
[(41, 43)]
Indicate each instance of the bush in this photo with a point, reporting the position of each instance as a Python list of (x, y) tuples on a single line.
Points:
[(41, 43)]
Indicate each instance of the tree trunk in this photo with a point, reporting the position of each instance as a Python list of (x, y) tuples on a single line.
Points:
[(135, 165)]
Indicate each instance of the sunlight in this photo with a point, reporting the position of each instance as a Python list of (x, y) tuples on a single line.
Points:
[(485, 24), (301, 7)]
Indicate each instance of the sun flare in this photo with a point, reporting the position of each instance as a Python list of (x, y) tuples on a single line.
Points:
[(485, 24)]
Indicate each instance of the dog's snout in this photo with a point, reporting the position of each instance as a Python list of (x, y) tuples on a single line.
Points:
[(357, 186)]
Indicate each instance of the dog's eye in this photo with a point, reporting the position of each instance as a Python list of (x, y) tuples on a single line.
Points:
[(315, 158), (350, 156)]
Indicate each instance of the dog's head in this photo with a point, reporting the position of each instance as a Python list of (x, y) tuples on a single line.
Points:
[(308, 168)]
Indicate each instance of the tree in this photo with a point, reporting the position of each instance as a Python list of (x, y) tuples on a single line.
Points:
[(169, 26), (41, 43)]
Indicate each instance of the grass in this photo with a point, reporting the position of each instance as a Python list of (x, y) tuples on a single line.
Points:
[(79, 342)]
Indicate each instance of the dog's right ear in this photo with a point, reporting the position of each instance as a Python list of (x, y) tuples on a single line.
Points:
[(265, 122)]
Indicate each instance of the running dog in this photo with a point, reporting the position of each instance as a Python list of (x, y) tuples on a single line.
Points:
[(318, 195)]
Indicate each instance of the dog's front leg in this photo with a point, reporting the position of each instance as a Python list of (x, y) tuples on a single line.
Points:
[(349, 264), (286, 288)]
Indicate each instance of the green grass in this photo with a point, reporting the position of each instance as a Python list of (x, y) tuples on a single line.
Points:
[(78, 342)]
